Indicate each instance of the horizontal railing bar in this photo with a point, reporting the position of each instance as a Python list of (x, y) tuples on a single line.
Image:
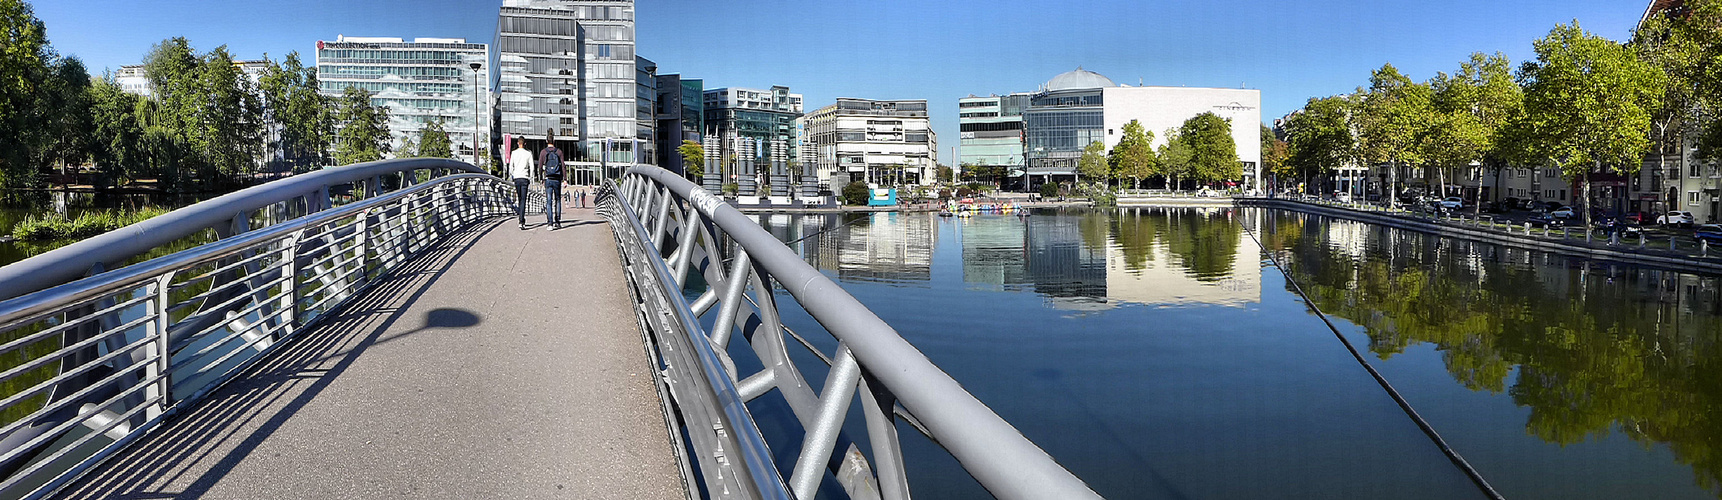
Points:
[(64, 351), (60, 429), (14, 426), (74, 397), (74, 322)]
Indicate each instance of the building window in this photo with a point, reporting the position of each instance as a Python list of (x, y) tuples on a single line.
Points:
[(1692, 198)]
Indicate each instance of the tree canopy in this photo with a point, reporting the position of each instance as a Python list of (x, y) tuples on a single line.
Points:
[(1588, 104), (693, 159), (1133, 156), (1213, 153), (364, 134)]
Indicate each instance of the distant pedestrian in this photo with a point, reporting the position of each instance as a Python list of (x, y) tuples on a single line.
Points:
[(520, 168), (581, 197), (551, 159)]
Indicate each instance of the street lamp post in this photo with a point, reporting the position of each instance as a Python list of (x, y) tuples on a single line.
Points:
[(476, 108)]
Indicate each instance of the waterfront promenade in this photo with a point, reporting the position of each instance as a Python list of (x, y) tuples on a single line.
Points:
[(499, 364)]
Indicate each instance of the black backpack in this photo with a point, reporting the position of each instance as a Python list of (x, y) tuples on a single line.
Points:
[(553, 165)]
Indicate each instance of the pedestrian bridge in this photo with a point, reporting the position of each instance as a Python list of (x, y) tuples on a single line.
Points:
[(384, 329)]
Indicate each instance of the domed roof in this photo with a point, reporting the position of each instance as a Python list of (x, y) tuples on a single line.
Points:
[(1078, 79)]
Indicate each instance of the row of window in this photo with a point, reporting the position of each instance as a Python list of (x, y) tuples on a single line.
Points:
[(977, 104), (564, 27), (582, 12), (1082, 100), (408, 87), (338, 71), (594, 51), (395, 56), (989, 127), (981, 114)]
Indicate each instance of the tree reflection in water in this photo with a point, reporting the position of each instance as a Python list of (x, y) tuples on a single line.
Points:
[(1599, 347)]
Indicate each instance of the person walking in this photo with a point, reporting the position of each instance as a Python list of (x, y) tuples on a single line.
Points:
[(520, 168), (551, 159)]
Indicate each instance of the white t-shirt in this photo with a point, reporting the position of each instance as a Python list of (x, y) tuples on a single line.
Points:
[(520, 164)]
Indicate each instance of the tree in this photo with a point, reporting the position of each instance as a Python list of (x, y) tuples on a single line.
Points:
[(1174, 158), (1471, 108), (25, 59), (1391, 119), (1133, 157), (230, 125), (1275, 152), (117, 138), (856, 193), (1213, 154), (1320, 138), (364, 134), (299, 114), (433, 142), (1588, 101), (1092, 164), (693, 159)]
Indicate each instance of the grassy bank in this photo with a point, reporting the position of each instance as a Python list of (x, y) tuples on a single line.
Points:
[(87, 224)]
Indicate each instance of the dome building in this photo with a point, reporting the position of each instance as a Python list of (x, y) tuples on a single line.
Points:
[(1079, 107)]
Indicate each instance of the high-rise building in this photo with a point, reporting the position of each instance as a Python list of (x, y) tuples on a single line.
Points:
[(992, 132), (749, 130), (568, 67), (645, 110), (879, 142), (680, 117), (133, 79), (422, 81)]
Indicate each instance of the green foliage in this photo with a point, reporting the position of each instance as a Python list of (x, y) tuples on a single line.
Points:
[(1471, 110), (1134, 157), (304, 118), (731, 188), (433, 142), (1092, 164), (206, 106), (856, 193), (39, 96), (944, 172), (1050, 190), (1275, 152), (1588, 103), (1319, 138), (693, 159), (87, 224), (1174, 158), (117, 139), (364, 134), (1099, 193), (1213, 153), (1391, 118)]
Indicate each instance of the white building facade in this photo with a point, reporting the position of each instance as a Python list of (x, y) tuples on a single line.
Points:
[(1161, 108), (874, 141), (423, 81)]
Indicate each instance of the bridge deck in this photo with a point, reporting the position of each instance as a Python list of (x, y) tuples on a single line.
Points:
[(500, 364)]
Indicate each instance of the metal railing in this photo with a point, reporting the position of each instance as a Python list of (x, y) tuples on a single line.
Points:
[(88, 366), (657, 213)]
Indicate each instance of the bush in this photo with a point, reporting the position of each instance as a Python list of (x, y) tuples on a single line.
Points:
[(1049, 190), (87, 224), (856, 193), (731, 188)]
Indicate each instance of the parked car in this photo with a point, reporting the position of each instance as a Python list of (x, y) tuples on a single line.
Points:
[(1562, 213), (1676, 218), (1543, 220), (1453, 203), (1342, 197), (1709, 232), (1635, 217)]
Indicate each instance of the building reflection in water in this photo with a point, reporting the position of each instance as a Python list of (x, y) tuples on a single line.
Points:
[(879, 246), (1098, 260)]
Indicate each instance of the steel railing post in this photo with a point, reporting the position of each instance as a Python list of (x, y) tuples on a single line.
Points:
[(730, 302), (821, 440)]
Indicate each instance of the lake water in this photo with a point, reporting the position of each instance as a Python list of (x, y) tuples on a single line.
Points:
[(1159, 353)]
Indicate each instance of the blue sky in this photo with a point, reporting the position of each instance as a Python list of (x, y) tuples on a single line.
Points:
[(904, 49)]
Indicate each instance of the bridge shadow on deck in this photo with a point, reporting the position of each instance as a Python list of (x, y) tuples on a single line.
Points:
[(223, 423)]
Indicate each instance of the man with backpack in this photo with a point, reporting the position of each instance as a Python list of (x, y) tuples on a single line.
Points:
[(551, 159)]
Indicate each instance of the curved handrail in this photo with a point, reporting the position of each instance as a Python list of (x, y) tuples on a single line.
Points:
[(995, 453), (271, 284), (74, 261)]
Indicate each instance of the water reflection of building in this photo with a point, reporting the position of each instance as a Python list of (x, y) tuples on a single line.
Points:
[(1050, 255), (1166, 277), (885, 246)]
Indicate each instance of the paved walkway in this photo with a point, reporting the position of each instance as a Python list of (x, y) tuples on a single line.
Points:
[(500, 364)]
